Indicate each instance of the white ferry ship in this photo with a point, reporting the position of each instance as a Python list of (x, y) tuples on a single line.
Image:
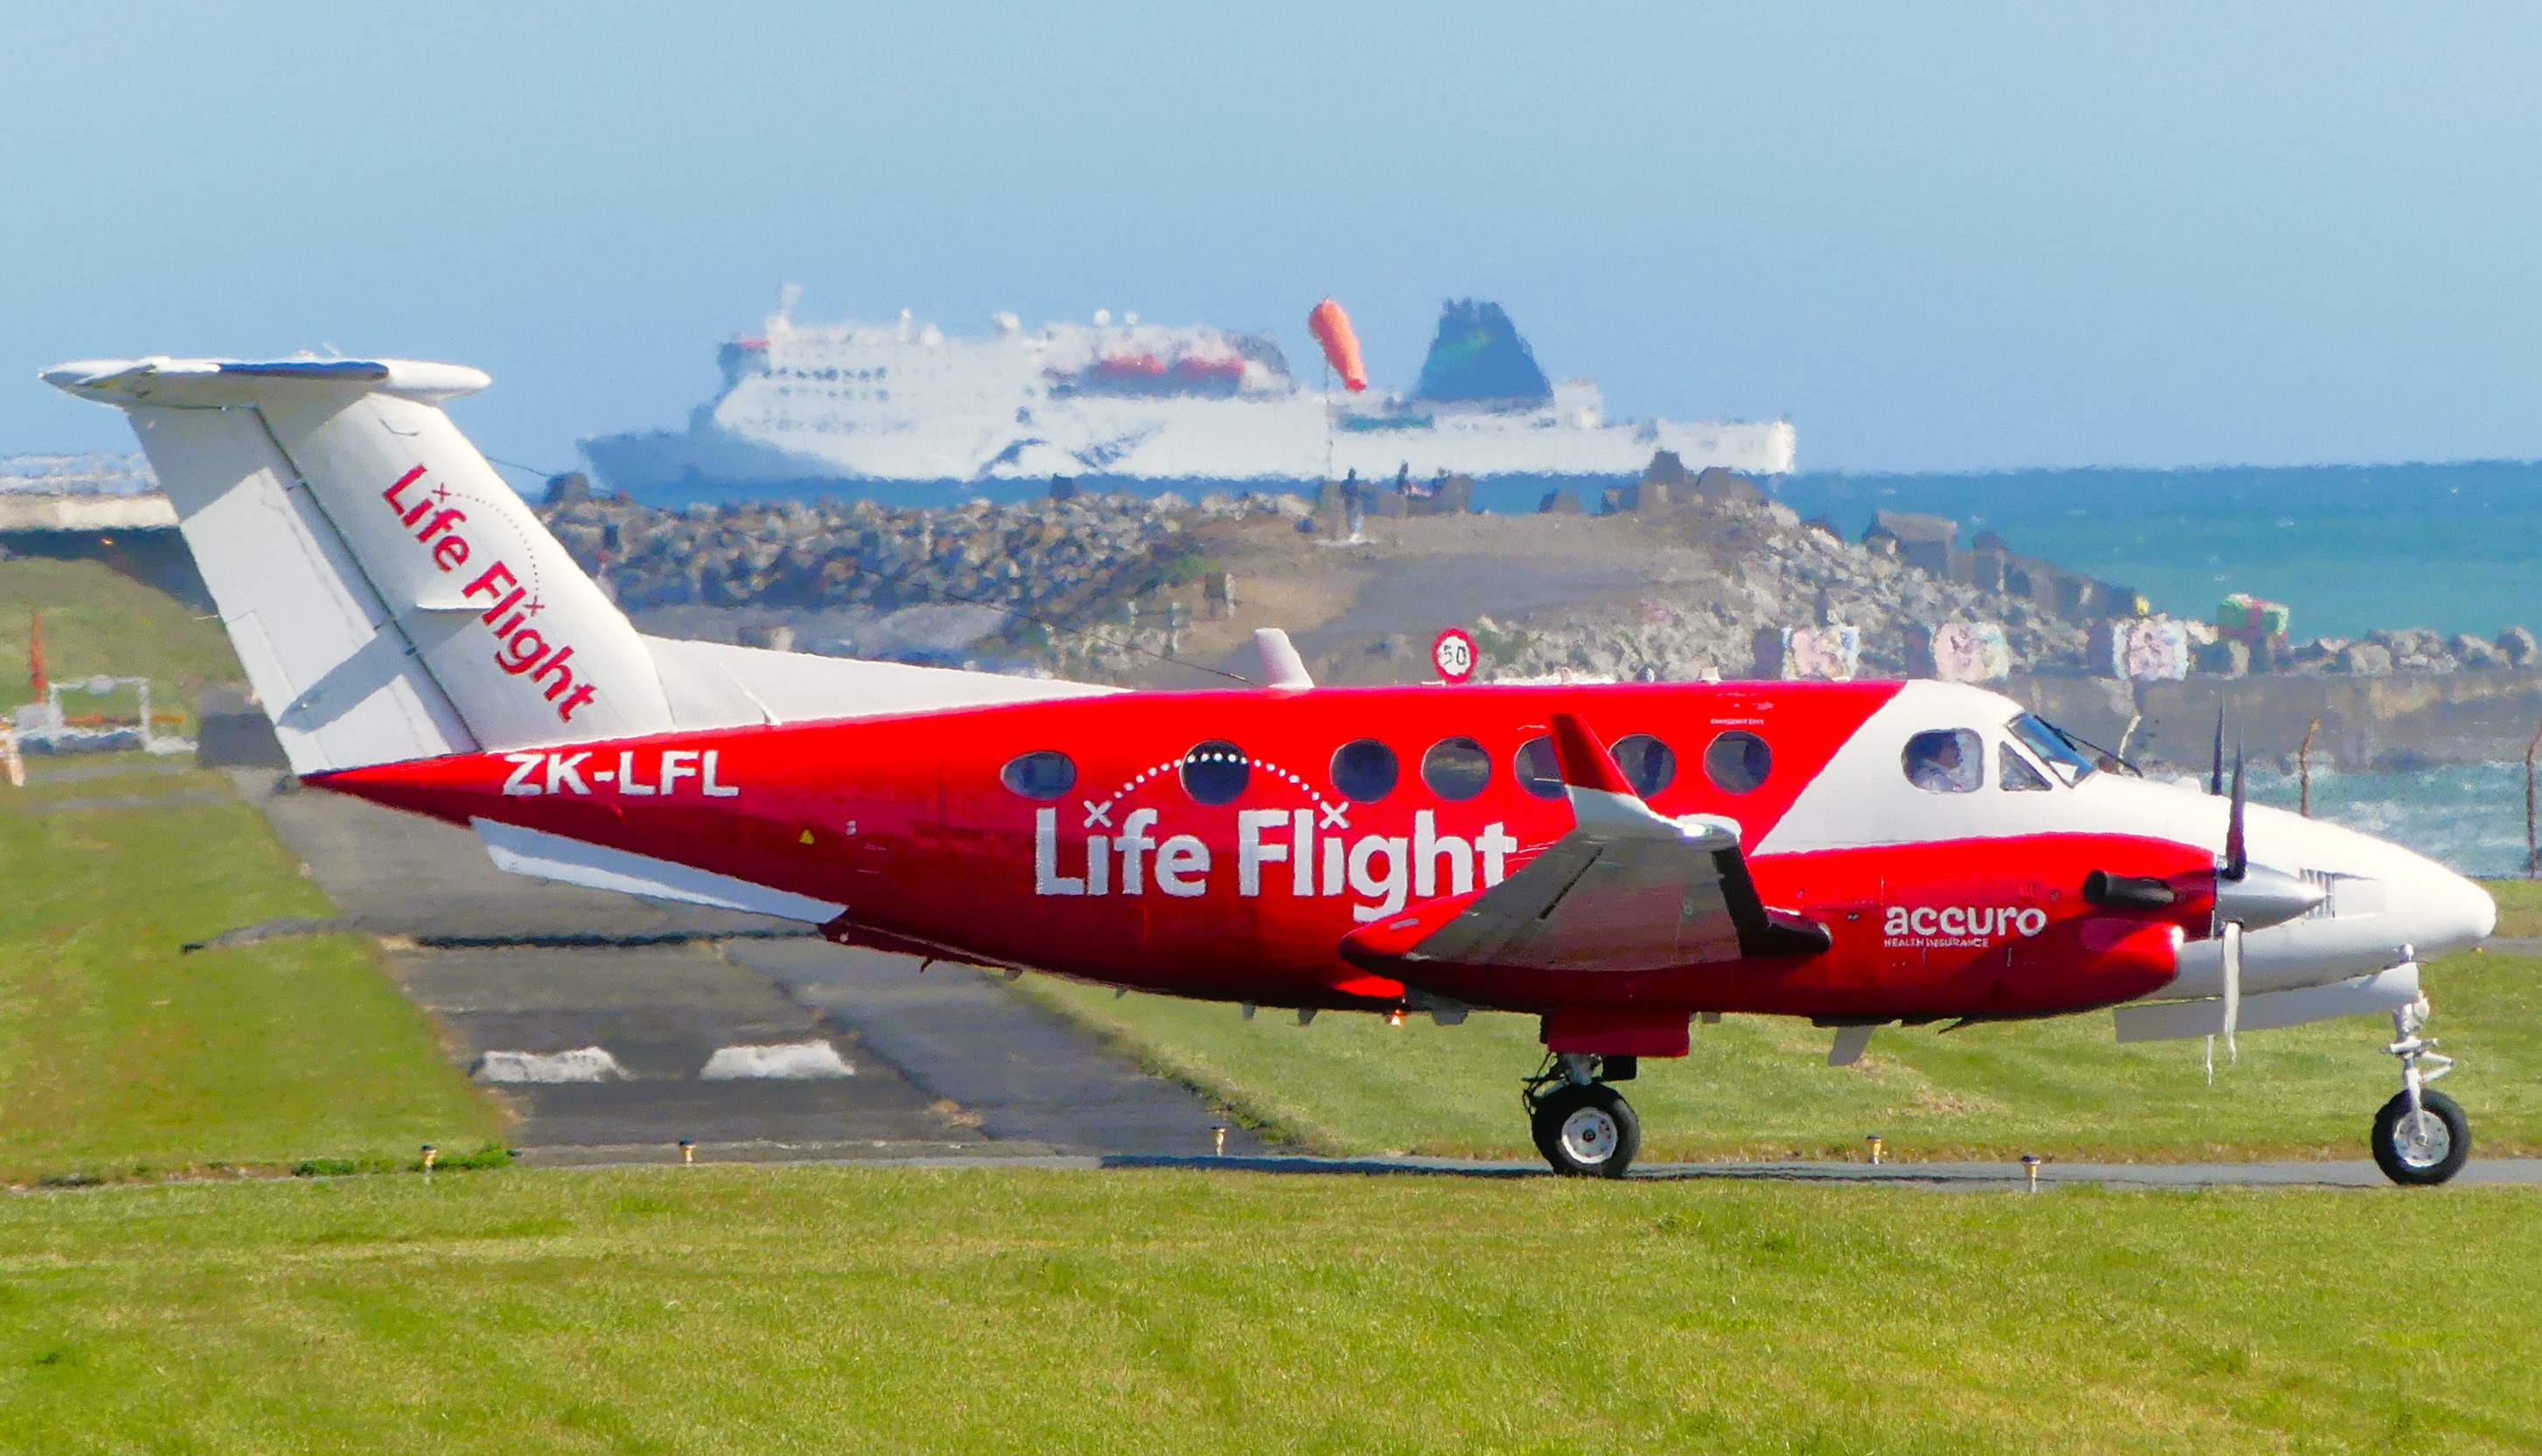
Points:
[(906, 411)]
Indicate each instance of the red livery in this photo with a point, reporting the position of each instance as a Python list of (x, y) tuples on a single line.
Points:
[(1621, 862)]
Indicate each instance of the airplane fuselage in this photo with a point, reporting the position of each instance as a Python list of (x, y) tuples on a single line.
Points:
[(1222, 844)]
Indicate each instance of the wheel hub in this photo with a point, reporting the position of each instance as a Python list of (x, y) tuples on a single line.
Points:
[(1589, 1136), (2421, 1139)]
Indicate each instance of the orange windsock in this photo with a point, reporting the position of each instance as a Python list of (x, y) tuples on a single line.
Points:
[(35, 677), (1333, 329)]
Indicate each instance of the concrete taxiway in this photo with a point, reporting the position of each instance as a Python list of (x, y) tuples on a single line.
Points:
[(945, 1068), (1940, 1176), (619, 1027)]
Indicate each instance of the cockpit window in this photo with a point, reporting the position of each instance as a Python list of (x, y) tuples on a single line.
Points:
[(1946, 761), (2013, 772), (2064, 755)]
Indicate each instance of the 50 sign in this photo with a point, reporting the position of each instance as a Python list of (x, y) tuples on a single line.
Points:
[(1452, 652)]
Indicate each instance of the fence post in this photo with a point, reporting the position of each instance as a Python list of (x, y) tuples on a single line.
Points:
[(2303, 768), (2532, 847)]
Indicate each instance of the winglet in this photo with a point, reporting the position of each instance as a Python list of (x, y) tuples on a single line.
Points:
[(1586, 764), (1282, 667), (1603, 800)]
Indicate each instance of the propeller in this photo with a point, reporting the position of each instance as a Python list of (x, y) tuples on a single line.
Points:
[(2236, 870), (2237, 852), (2247, 897), (2215, 769), (2232, 948)]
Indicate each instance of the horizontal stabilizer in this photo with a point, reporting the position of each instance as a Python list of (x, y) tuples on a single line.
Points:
[(545, 856)]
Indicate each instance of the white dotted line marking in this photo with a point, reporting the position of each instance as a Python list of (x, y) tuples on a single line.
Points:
[(1332, 811)]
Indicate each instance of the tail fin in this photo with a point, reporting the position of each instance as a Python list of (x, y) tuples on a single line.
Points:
[(390, 596)]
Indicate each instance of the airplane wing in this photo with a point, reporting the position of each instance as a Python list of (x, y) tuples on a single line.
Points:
[(1626, 890)]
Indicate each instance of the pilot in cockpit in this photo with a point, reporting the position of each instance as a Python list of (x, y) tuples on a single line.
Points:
[(1945, 761)]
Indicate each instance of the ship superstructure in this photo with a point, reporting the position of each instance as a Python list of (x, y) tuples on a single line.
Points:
[(842, 409)]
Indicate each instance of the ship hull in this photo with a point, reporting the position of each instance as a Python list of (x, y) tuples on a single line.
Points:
[(711, 464), (904, 411)]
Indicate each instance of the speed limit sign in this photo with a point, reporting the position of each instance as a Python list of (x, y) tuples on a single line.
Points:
[(1453, 654)]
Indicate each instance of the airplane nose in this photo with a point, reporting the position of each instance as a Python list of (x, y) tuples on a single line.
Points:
[(2446, 913), (2383, 900)]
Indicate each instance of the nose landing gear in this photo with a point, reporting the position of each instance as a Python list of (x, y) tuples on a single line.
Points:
[(2421, 1137), (1583, 1127)]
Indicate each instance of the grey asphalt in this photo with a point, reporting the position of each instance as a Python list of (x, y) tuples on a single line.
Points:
[(1973, 1177), (399, 874), (949, 1065), (1023, 1069)]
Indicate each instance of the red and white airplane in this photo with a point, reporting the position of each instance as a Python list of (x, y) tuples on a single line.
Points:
[(1617, 861)]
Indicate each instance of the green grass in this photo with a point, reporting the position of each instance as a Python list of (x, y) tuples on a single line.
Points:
[(1759, 1086), (2519, 905), (736, 1309), (96, 622), (120, 1054)]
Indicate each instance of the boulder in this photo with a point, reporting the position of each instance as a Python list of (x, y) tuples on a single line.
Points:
[(2227, 657), (2474, 654), (2365, 659)]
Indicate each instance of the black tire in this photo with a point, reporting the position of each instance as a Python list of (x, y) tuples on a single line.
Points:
[(1586, 1131), (2430, 1159)]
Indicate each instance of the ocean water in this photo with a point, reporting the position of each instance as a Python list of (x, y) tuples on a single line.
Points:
[(2350, 548), (2470, 817)]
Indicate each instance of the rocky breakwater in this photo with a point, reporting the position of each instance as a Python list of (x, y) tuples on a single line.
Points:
[(1758, 568), (979, 582), (1109, 586)]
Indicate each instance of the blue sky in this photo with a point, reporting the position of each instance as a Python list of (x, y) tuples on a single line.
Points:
[(1938, 237)]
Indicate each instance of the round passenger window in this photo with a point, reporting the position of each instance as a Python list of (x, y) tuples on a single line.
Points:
[(1539, 769), (1737, 762), (1214, 773), (1649, 765), (1045, 773), (1365, 770), (1456, 769)]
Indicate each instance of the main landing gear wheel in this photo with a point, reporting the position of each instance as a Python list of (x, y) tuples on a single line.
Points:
[(2422, 1147), (1585, 1131)]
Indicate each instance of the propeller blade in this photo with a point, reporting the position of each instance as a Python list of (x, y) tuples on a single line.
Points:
[(2232, 987), (2215, 773), (2237, 854)]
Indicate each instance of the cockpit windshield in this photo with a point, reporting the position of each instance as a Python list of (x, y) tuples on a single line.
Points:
[(2068, 757)]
